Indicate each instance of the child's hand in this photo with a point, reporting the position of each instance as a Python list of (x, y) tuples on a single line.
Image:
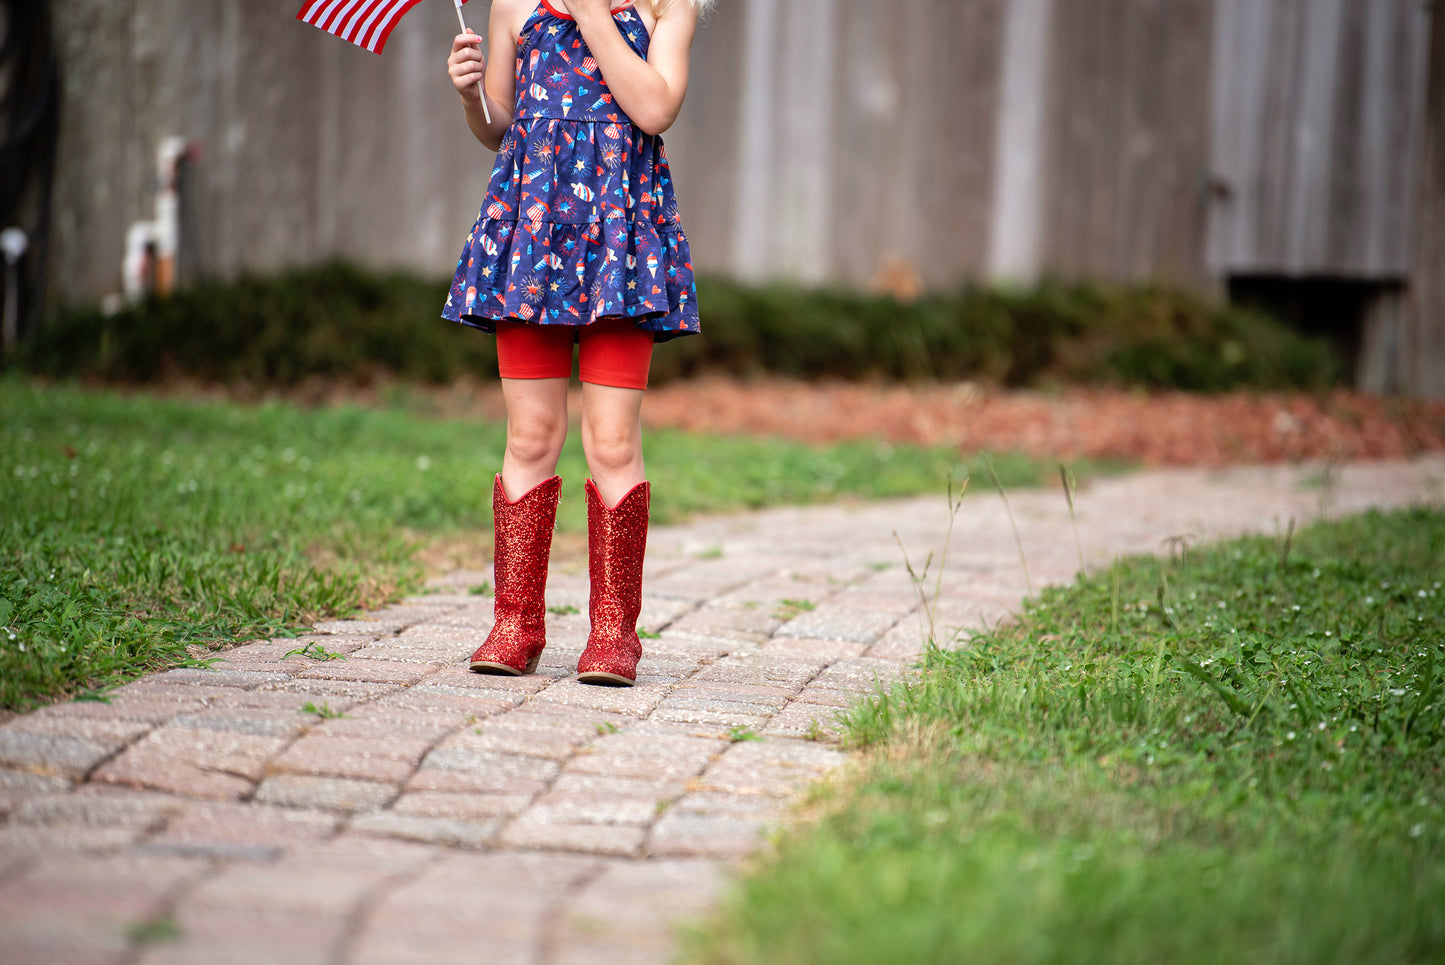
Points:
[(583, 8), (466, 65)]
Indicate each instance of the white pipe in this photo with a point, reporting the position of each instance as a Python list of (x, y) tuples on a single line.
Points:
[(135, 266), (13, 243)]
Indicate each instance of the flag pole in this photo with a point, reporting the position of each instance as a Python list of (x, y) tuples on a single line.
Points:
[(481, 91)]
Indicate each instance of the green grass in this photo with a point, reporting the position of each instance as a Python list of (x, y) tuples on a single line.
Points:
[(1233, 756), (135, 527)]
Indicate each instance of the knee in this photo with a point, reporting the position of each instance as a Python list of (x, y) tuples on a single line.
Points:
[(536, 439), (612, 447)]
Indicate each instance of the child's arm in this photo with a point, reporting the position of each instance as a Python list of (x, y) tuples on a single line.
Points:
[(650, 91), (467, 67)]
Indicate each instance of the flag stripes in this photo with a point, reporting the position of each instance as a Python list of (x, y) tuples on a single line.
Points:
[(366, 23)]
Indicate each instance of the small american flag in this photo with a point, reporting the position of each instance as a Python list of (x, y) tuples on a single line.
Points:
[(366, 23)]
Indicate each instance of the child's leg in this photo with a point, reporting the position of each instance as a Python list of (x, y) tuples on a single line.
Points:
[(534, 365), (534, 362), (615, 357)]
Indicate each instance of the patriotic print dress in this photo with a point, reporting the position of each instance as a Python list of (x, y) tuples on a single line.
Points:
[(580, 221)]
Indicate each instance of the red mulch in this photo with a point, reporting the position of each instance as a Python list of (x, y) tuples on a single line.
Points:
[(1156, 429)]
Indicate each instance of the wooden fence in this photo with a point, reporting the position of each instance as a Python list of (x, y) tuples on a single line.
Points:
[(900, 144)]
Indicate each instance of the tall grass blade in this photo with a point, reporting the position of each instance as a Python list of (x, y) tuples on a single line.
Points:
[(1018, 540)]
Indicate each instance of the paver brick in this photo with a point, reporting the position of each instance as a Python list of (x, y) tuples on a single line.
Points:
[(338, 694), (473, 782), (447, 632), (29, 782), (629, 914), (193, 762), (553, 743), (598, 784), (368, 671), (228, 829), (267, 936), (425, 657), (329, 793), (438, 909), (98, 807), (774, 698), (591, 838), (449, 832), (711, 717), (254, 721), (829, 622), (776, 767), (80, 907), (633, 701), (43, 841), (682, 833), (461, 756), (103, 730), (435, 699), (811, 648), (381, 721), (578, 807), (227, 677), (502, 686), (821, 696), (371, 759), (647, 756), (460, 807), (53, 754), (804, 720), (147, 711)]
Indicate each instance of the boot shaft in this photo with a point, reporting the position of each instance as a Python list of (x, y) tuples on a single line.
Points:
[(616, 545), (522, 548)]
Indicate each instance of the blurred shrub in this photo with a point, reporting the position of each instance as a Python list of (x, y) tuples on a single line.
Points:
[(340, 322)]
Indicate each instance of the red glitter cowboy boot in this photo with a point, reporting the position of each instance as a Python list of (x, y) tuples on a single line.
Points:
[(616, 540), (519, 564)]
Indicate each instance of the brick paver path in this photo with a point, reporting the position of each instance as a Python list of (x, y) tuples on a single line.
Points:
[(202, 816)]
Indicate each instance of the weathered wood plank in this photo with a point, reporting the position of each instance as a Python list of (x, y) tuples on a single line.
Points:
[(1423, 341)]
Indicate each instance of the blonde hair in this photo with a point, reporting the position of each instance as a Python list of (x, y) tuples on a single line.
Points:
[(699, 5)]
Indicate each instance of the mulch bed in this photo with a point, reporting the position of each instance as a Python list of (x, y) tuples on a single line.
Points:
[(1151, 428), (1155, 429)]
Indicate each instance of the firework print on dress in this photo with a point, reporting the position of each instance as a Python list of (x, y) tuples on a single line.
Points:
[(580, 221)]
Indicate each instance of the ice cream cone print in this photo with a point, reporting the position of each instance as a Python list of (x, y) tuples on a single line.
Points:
[(566, 103), (652, 264)]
